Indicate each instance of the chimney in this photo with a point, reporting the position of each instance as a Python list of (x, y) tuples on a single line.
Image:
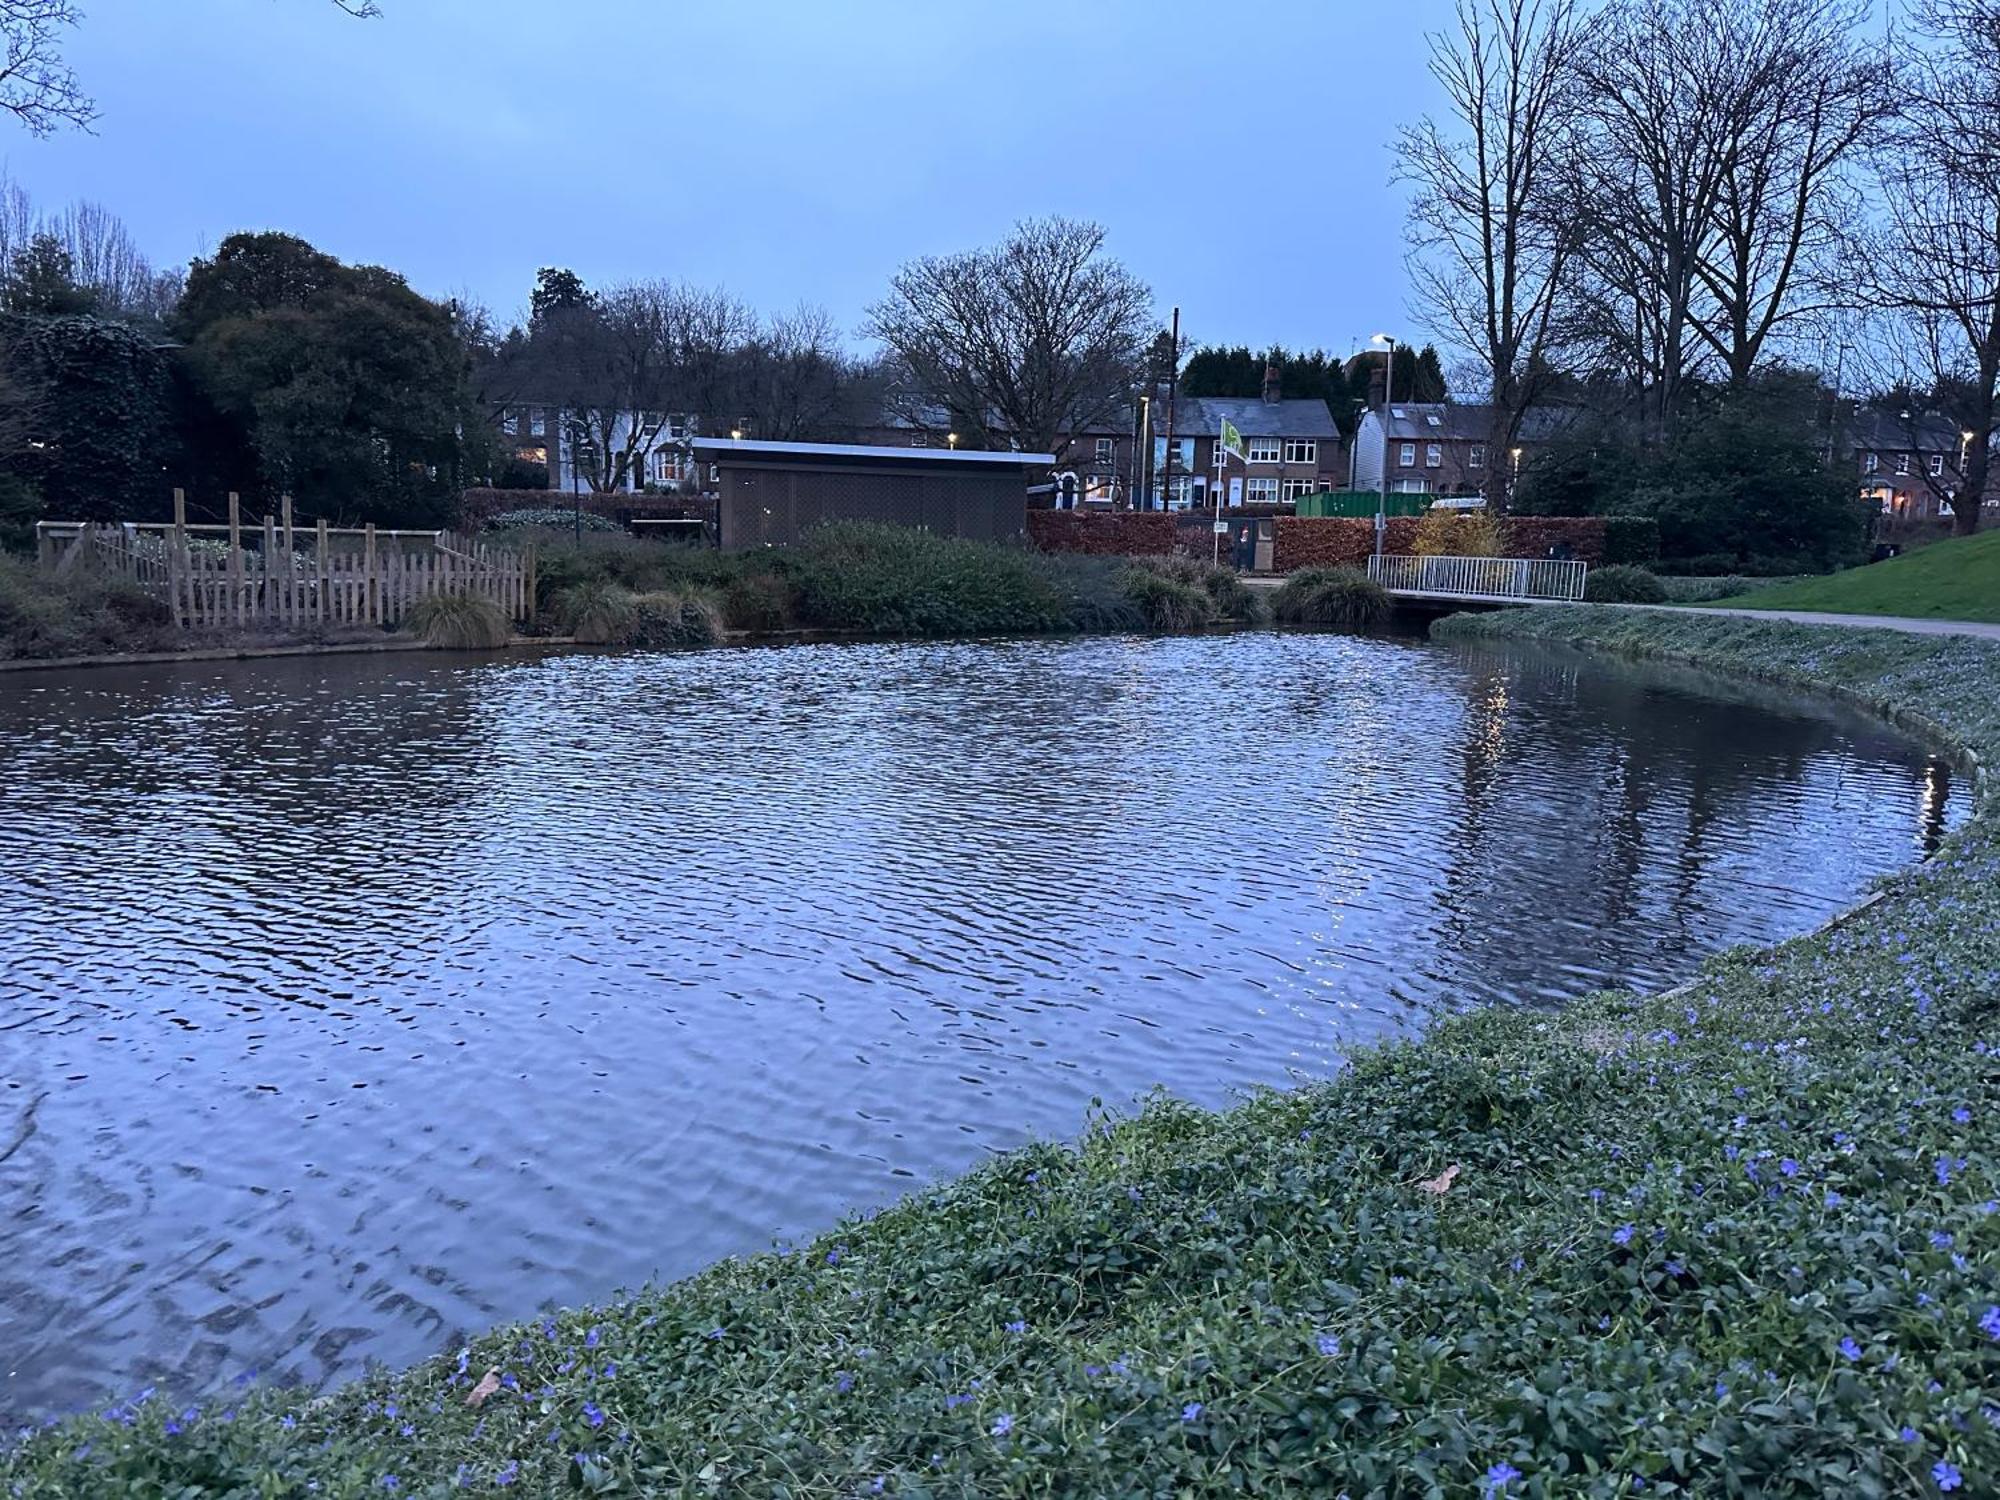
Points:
[(1270, 384)]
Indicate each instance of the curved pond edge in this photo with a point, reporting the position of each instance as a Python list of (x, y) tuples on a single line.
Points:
[(1742, 1237)]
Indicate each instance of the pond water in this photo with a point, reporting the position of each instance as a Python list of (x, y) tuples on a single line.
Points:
[(353, 1003)]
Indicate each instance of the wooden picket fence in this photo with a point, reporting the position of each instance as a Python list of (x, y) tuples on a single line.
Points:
[(294, 577)]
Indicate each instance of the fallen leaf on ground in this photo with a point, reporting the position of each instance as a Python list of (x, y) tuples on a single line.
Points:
[(488, 1384), (1442, 1182)]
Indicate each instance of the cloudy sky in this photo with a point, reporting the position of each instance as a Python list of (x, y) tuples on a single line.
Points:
[(791, 150)]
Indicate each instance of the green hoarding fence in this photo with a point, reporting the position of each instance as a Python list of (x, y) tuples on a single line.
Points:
[(1360, 503)]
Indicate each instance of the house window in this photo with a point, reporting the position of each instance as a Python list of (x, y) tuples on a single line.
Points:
[(1104, 450), (1902, 463), (1475, 456), (537, 454), (1406, 455), (1261, 491), (1411, 486), (920, 440), (1296, 487), (1263, 450), (1433, 455), (538, 425), (510, 422), (1301, 451), (1937, 466), (1870, 464)]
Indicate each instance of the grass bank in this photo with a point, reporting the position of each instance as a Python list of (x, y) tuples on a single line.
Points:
[(1739, 1239), (1957, 579)]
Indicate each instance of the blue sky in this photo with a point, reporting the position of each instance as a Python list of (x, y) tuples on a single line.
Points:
[(790, 151)]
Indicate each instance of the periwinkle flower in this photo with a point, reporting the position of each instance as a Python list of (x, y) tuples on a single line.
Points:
[(1622, 1235), (1500, 1476), (1003, 1424), (1849, 1349), (1327, 1345), (1191, 1412), (1946, 1474)]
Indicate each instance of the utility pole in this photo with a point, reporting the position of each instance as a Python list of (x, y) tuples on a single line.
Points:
[(1173, 390)]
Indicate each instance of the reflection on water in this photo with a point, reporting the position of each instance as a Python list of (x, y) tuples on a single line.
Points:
[(354, 1002)]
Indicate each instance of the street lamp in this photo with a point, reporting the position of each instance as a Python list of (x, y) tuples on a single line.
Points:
[(951, 441), (1964, 448), (1388, 394)]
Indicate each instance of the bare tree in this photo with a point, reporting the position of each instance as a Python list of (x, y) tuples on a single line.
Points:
[(623, 364), (37, 87), (1031, 341), (1785, 198), (1489, 211), (797, 382), (1935, 261)]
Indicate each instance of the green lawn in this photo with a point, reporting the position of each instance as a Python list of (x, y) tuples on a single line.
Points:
[(1953, 580)]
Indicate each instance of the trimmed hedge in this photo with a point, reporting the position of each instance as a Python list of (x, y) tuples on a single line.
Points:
[(1631, 539), (1738, 1239), (1623, 584)]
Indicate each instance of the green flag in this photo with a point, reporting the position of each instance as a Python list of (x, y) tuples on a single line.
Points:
[(1231, 441)]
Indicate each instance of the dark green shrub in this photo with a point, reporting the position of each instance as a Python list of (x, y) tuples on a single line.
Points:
[(522, 474), (1232, 597), (1341, 597), (1623, 585), (890, 580), (1631, 539), (459, 622), (757, 602), (82, 614), (1167, 604)]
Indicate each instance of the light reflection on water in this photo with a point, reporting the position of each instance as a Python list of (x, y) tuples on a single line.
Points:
[(353, 1002)]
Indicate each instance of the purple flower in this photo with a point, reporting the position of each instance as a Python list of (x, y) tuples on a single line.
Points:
[(391, 1482), (1622, 1235), (844, 1383), (1850, 1349), (1327, 1345), (1990, 1324), (1962, 1115), (1940, 1240), (1191, 1412), (833, 1256), (713, 1333), (590, 1339), (954, 1400), (1019, 1325), (1908, 1434), (1789, 1167), (593, 1414), (1003, 1424), (1500, 1476), (509, 1474), (1947, 1475)]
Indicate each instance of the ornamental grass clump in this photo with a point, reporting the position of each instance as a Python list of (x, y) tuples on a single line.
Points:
[(459, 622), (1166, 604), (674, 618), (1342, 597), (595, 612), (1232, 597)]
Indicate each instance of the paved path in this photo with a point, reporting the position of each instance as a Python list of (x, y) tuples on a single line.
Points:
[(1910, 624)]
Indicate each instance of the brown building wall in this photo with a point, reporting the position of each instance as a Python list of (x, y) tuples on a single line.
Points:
[(775, 504)]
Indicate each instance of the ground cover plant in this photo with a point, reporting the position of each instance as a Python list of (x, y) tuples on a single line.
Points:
[(1740, 1239)]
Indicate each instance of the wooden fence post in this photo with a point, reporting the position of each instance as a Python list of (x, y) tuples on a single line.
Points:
[(320, 561), (291, 594), (368, 592), (235, 558), (177, 563), (267, 596)]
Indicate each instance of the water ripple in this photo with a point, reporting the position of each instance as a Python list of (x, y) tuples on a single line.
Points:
[(355, 1002)]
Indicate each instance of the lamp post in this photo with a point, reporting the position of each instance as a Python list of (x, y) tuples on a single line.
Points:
[(951, 441), (1388, 395), (1513, 478)]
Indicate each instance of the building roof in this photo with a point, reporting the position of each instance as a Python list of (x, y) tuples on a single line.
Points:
[(722, 450), (1300, 417), (1869, 428), (1468, 421)]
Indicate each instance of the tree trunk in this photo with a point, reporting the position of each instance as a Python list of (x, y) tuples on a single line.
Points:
[(1972, 499)]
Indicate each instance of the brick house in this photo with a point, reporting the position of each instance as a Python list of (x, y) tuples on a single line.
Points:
[(1293, 446), (1909, 463)]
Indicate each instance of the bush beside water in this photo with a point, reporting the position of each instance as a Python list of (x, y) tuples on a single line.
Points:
[(1739, 1239), (1344, 597), (1623, 584), (887, 580), (82, 615)]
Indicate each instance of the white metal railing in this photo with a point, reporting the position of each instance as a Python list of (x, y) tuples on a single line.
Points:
[(1481, 577)]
